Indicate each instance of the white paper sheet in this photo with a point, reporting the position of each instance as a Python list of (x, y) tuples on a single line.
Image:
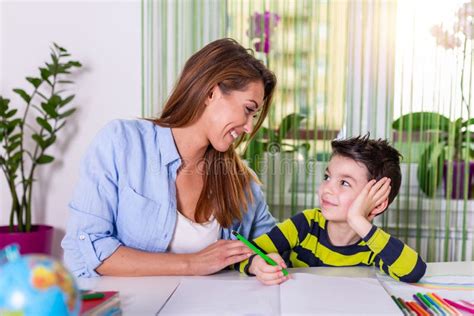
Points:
[(223, 297), (325, 295), (303, 294)]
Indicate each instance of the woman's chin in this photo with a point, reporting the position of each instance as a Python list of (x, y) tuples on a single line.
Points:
[(222, 147)]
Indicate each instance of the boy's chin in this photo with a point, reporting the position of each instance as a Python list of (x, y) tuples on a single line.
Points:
[(333, 216)]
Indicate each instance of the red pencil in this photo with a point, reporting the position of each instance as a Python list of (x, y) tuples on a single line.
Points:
[(418, 310)]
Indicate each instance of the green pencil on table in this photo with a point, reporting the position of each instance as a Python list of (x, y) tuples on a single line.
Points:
[(92, 296), (269, 260)]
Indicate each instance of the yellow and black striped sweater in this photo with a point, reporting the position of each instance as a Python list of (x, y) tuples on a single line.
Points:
[(304, 237)]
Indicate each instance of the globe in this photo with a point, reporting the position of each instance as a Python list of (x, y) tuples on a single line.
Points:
[(36, 285)]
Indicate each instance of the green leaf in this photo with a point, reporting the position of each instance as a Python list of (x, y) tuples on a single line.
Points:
[(49, 109), (3, 105), (74, 63), (13, 146), (39, 140), (67, 113), (25, 96), (44, 124), (44, 159), (54, 58), (422, 121), (61, 49), (67, 100), (36, 82), (289, 123), (11, 113), (48, 142), (15, 137), (468, 122), (430, 168), (45, 73), (13, 123)]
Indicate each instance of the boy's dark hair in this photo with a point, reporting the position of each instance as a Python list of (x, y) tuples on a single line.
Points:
[(378, 156)]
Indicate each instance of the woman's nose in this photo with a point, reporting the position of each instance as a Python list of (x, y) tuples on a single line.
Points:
[(248, 127)]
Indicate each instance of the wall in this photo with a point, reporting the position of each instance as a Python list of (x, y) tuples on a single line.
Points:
[(105, 37)]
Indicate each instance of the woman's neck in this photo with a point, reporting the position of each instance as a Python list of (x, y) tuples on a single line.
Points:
[(341, 234), (191, 145)]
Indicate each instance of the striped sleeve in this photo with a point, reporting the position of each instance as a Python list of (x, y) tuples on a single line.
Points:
[(283, 237), (394, 257)]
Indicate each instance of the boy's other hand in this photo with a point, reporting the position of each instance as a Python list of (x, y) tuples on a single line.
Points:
[(372, 200), (268, 274)]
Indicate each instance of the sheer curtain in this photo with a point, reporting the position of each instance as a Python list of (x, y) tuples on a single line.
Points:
[(344, 68)]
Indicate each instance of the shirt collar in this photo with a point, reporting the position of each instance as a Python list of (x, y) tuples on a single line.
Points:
[(168, 151)]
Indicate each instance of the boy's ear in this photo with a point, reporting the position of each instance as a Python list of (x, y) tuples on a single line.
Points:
[(378, 210)]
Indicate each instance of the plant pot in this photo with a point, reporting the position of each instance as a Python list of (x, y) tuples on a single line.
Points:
[(38, 240), (458, 180)]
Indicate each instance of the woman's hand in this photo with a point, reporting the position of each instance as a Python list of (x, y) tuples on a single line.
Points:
[(217, 256), (267, 274)]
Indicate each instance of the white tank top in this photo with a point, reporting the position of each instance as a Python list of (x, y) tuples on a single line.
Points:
[(190, 237)]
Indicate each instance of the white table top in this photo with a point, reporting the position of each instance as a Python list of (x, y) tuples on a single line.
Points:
[(146, 295)]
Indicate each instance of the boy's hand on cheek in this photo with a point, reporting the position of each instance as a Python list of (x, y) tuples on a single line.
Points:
[(268, 274), (372, 195)]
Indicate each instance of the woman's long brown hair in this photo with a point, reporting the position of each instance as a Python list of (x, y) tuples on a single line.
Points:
[(226, 184)]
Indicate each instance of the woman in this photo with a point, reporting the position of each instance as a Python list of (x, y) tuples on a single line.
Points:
[(159, 197)]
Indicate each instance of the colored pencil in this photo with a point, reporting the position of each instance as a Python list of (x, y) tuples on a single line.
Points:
[(439, 303), (399, 305), (418, 310), (439, 309), (423, 305), (427, 303), (459, 306), (467, 303), (405, 306), (445, 304)]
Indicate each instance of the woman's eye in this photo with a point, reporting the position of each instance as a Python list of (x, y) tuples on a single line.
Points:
[(326, 177), (345, 183), (248, 110)]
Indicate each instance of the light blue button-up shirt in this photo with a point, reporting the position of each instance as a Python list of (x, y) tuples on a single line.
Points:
[(126, 195)]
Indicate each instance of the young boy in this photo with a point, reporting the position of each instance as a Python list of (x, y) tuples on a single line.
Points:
[(362, 179)]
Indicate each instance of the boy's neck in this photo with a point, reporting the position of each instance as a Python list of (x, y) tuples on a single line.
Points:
[(341, 234)]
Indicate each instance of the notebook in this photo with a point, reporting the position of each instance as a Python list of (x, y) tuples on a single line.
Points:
[(109, 305), (303, 294)]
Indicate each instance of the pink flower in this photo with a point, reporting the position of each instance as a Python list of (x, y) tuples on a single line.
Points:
[(270, 21)]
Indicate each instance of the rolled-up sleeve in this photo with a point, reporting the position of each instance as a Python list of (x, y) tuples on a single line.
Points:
[(90, 236), (264, 221)]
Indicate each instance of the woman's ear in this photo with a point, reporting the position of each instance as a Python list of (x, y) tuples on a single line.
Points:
[(378, 210), (211, 95)]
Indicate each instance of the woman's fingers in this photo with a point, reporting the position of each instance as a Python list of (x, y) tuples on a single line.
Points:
[(235, 259)]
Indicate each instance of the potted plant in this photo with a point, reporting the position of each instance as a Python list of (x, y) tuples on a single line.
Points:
[(24, 143), (270, 153), (449, 153)]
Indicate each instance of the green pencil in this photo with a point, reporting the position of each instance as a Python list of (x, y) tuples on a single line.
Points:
[(92, 296), (269, 260)]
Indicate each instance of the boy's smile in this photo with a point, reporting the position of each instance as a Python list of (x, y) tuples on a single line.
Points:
[(344, 179)]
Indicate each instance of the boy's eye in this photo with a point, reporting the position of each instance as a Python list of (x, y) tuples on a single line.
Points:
[(345, 183), (326, 177)]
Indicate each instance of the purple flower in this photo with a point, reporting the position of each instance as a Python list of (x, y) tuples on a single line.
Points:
[(270, 21)]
